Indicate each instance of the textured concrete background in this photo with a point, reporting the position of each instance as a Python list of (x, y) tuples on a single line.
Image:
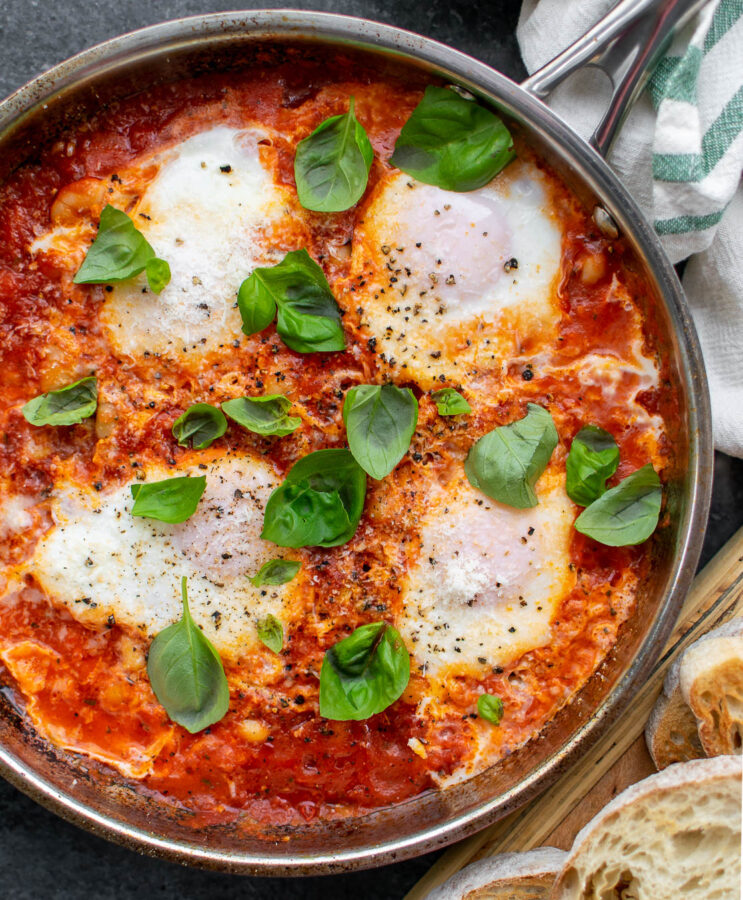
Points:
[(36, 34), (40, 855)]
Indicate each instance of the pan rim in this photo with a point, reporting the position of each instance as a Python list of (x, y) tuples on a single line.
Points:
[(364, 34)]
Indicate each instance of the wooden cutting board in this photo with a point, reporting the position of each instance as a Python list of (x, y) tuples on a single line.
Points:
[(620, 757)]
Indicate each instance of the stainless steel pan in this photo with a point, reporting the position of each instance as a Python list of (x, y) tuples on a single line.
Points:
[(623, 45)]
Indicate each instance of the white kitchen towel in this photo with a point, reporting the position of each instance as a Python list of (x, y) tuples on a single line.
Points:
[(680, 153)]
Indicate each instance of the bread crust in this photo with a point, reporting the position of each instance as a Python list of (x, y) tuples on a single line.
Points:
[(673, 732), (506, 876)]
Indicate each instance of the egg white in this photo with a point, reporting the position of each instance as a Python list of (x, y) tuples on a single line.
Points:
[(488, 578), (207, 206), (204, 213), (15, 515), (433, 271), (100, 561)]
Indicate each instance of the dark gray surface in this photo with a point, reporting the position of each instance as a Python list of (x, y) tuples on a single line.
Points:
[(40, 855), (36, 34)]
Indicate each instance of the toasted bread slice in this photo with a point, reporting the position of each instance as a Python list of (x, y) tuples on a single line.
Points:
[(675, 834), (711, 682), (672, 730), (508, 876)]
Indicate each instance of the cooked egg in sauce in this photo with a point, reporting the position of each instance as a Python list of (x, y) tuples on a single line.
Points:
[(451, 280), (100, 561), (488, 578), (209, 206)]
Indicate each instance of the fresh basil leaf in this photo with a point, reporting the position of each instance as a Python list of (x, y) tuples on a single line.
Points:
[(506, 463), (263, 415), (201, 424), (256, 301), (450, 402), (172, 500), (271, 633), (490, 708), (118, 252), (275, 571), (380, 422), (452, 142), (626, 514), (319, 503), (331, 166), (187, 675), (67, 406), (364, 673), (593, 457), (308, 319), (158, 274)]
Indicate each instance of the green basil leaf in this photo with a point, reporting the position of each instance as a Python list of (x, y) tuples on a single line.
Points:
[(67, 406), (172, 500), (275, 571), (201, 424), (271, 633), (256, 302), (380, 422), (626, 514), (303, 517), (319, 503), (453, 143), (118, 252), (450, 402), (263, 415), (593, 457), (364, 673), (490, 708), (158, 274), (331, 166), (308, 319), (506, 463), (187, 675)]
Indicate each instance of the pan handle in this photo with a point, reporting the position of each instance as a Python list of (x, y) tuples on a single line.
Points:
[(625, 44)]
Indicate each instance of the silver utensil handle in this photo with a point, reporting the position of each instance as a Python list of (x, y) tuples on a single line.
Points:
[(625, 44)]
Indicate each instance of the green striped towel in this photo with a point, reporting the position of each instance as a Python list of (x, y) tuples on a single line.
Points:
[(680, 153), (697, 90)]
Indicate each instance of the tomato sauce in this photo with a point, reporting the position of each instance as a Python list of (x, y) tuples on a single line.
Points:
[(273, 758)]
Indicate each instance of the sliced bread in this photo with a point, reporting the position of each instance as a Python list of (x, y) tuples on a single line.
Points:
[(508, 876), (672, 733), (675, 834), (711, 682)]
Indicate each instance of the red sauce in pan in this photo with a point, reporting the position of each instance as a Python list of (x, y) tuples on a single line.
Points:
[(86, 689)]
